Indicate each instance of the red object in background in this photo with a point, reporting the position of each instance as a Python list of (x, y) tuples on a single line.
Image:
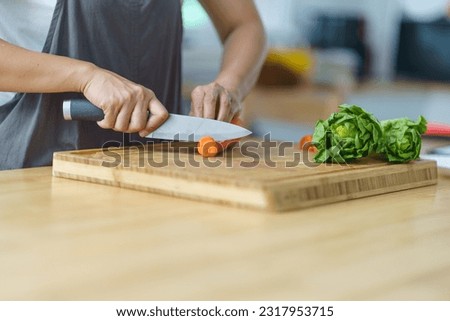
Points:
[(437, 129)]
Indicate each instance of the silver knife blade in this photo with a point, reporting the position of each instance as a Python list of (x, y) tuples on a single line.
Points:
[(188, 128), (176, 127)]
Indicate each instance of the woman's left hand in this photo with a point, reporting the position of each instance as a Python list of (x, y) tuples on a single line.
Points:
[(215, 102)]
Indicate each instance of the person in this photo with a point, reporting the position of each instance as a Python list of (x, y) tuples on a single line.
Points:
[(124, 57)]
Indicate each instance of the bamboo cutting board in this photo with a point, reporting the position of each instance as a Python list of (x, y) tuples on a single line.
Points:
[(284, 179)]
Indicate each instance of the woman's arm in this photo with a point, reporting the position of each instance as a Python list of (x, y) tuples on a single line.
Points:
[(124, 103), (242, 33)]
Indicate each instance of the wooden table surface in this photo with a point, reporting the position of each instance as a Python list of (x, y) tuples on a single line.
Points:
[(70, 240)]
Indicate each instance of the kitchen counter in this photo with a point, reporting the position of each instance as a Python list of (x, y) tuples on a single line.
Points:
[(68, 240)]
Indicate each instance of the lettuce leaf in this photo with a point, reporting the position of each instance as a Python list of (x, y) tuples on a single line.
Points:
[(346, 135), (402, 139)]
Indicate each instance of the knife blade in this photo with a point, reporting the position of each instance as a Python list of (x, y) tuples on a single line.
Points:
[(176, 127)]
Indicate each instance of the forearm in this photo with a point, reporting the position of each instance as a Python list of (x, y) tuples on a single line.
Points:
[(22, 70), (244, 53), (124, 103)]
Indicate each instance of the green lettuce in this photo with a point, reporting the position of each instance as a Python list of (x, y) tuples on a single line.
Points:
[(402, 139), (346, 135)]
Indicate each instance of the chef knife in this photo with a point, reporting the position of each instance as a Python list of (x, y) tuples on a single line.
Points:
[(176, 127)]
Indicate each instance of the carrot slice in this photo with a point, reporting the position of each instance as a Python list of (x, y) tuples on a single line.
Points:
[(306, 144), (207, 147)]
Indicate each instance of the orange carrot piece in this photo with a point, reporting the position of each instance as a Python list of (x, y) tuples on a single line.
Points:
[(306, 144), (207, 147)]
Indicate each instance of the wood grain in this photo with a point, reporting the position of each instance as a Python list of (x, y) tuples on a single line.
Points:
[(274, 182), (63, 239)]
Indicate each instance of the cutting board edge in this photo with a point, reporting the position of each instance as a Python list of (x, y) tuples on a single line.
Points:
[(174, 186), (292, 196)]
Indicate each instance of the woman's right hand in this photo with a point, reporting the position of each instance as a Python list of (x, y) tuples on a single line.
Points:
[(126, 105)]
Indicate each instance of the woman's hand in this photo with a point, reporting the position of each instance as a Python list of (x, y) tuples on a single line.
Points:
[(126, 104), (215, 102)]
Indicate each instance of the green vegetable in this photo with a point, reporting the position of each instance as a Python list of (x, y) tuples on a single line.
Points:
[(353, 133), (402, 139), (346, 135)]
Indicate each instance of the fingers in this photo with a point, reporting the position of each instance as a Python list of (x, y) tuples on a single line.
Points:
[(197, 97), (138, 117), (215, 102), (143, 117), (125, 115), (225, 108), (125, 104), (210, 102), (123, 119), (158, 115), (111, 113)]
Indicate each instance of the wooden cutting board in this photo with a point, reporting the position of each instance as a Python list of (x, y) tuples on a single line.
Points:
[(278, 178)]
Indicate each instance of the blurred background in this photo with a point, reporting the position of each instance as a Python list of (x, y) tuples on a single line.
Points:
[(391, 57)]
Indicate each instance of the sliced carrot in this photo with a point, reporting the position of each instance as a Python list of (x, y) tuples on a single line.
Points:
[(306, 144), (207, 147)]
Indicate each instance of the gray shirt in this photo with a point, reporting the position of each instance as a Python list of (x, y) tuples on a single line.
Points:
[(138, 39)]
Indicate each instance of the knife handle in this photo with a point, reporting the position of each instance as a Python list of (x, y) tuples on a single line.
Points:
[(81, 109)]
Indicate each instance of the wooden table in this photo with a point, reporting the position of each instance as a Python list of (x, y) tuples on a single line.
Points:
[(70, 240)]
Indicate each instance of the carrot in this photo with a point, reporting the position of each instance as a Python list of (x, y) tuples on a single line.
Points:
[(207, 147), (306, 144)]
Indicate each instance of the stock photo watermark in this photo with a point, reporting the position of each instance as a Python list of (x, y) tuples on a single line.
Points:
[(246, 154)]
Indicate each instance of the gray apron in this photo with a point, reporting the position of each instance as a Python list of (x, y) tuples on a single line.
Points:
[(138, 39)]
